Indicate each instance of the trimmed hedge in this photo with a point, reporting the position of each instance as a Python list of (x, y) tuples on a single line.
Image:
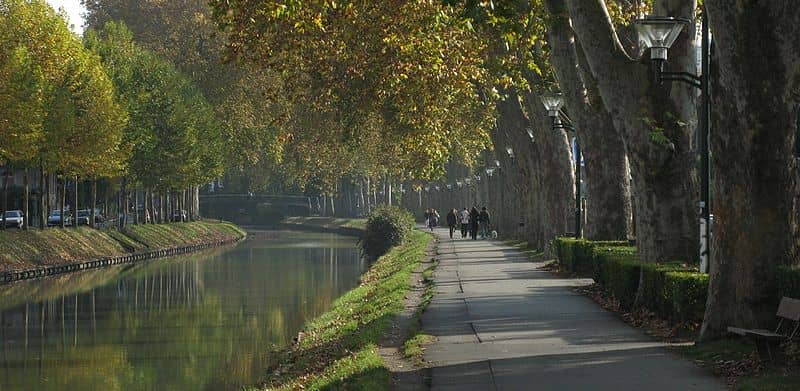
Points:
[(672, 290), (387, 226)]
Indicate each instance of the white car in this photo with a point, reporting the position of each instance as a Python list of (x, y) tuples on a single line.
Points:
[(15, 218)]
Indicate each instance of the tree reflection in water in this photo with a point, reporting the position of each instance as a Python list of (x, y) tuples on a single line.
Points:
[(199, 322)]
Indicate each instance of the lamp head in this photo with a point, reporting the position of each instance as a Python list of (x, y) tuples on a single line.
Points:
[(552, 101), (658, 34)]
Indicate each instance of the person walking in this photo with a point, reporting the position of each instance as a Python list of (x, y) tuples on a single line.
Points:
[(452, 220), (433, 219), (427, 216), (464, 217), (473, 223), (484, 220)]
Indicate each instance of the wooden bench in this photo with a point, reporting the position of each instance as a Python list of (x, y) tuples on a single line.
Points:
[(766, 340)]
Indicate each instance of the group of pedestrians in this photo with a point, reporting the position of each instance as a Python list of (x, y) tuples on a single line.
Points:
[(431, 218), (472, 222)]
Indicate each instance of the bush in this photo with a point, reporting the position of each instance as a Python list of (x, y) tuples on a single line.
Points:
[(577, 255), (687, 292), (604, 254), (654, 294), (671, 290), (387, 226)]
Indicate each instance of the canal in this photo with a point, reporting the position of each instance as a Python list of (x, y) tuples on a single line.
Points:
[(199, 322)]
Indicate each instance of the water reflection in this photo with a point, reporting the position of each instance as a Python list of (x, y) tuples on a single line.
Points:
[(190, 323)]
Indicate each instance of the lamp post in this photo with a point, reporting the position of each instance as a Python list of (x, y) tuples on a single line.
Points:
[(658, 34), (552, 103)]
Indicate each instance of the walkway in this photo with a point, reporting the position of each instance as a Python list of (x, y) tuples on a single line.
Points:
[(502, 324)]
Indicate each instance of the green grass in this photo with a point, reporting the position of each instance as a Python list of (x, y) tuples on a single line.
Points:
[(414, 348), (724, 349), (328, 222), (532, 253), (20, 250), (338, 349), (169, 235)]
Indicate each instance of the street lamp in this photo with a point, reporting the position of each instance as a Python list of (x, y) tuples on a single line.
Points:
[(658, 34), (553, 102)]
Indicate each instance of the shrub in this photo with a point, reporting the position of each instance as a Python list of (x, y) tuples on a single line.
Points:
[(387, 226), (621, 279), (654, 294), (603, 254), (577, 255), (688, 292)]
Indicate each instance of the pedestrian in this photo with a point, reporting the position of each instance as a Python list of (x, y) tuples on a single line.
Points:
[(433, 219), (452, 220), (474, 215), (427, 216), (464, 215), (484, 220)]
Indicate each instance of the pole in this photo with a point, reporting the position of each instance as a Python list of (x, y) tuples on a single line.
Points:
[(577, 189), (705, 171)]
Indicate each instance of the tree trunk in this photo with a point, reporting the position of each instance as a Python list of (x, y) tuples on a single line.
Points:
[(75, 207), (656, 121), (136, 206), (44, 194), (6, 172), (92, 212), (608, 212), (124, 205), (755, 83), (62, 199), (26, 201), (558, 174)]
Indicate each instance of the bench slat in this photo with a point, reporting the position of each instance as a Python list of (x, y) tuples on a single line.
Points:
[(755, 332)]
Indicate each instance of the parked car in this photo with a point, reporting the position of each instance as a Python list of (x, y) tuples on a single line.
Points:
[(15, 218), (84, 217), (54, 219), (98, 216)]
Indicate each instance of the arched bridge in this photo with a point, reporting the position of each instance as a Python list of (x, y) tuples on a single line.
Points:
[(258, 209)]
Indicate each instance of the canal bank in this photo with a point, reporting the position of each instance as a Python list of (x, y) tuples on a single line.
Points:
[(34, 253), (343, 347)]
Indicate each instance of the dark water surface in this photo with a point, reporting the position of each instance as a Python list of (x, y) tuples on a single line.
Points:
[(199, 322)]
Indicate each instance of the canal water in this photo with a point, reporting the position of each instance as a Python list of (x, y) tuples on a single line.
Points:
[(199, 322)]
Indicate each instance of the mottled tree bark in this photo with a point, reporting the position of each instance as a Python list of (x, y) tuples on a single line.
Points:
[(755, 96), (608, 204), (557, 183), (656, 121)]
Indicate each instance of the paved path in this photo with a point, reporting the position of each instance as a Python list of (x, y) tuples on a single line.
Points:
[(502, 324)]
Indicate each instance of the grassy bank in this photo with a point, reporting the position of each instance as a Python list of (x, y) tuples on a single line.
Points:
[(338, 350), (21, 250), (327, 222)]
